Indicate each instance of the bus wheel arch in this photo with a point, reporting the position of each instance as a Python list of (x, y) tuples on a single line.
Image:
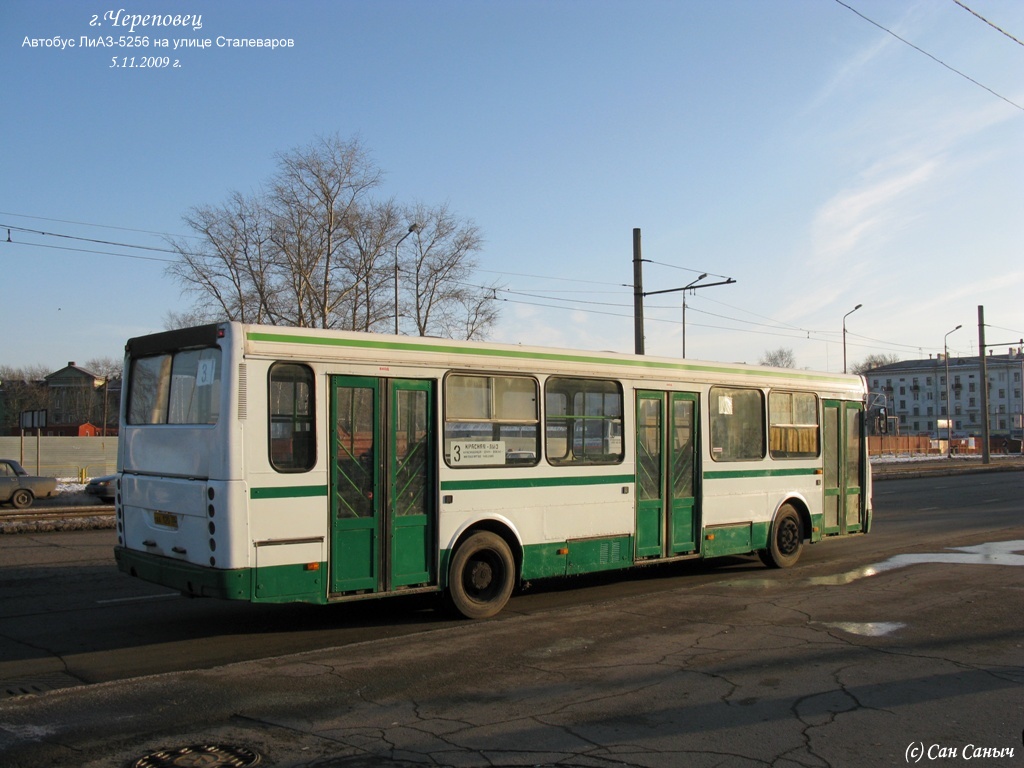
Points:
[(483, 570), (786, 535)]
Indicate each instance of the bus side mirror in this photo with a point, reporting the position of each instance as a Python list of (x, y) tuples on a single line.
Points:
[(883, 421)]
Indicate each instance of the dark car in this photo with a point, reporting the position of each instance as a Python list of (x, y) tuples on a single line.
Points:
[(104, 487), (19, 488)]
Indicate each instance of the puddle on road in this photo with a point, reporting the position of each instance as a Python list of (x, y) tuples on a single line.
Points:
[(867, 628), (993, 553)]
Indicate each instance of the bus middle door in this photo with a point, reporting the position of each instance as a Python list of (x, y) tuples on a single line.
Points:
[(666, 473), (382, 489)]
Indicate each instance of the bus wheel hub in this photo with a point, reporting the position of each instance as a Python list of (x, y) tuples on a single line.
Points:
[(481, 575)]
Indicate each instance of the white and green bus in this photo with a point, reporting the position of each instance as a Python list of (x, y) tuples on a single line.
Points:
[(274, 464)]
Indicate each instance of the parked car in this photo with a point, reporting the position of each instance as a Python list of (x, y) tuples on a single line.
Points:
[(104, 487), (19, 488)]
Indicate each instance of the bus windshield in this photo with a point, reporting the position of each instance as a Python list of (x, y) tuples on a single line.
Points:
[(175, 388)]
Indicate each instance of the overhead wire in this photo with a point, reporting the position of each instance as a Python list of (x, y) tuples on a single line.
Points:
[(773, 327), (87, 224), (996, 27), (41, 233), (98, 253), (936, 59)]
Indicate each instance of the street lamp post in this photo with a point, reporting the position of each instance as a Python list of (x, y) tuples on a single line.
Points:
[(412, 228), (691, 285), (844, 333), (949, 403)]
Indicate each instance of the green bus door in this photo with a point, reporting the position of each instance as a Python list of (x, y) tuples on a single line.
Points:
[(382, 484), (666, 473), (843, 470)]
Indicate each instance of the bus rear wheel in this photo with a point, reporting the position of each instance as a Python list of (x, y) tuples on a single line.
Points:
[(482, 576), (785, 540)]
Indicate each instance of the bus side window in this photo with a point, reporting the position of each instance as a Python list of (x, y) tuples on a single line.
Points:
[(793, 425), (491, 421), (737, 424), (291, 418), (583, 421)]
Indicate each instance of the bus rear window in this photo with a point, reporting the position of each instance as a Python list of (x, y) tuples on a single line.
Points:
[(178, 388)]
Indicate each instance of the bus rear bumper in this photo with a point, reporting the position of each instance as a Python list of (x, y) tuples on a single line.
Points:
[(189, 579)]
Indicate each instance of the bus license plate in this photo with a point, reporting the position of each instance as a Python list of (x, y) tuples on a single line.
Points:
[(165, 519)]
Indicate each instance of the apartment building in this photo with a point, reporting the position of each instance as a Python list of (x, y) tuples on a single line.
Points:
[(925, 397)]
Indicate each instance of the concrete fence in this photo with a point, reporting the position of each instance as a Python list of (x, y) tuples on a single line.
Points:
[(64, 457)]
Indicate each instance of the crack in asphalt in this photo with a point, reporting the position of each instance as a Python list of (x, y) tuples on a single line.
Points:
[(705, 676)]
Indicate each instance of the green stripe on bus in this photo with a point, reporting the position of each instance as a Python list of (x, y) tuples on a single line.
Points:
[(732, 474), (288, 492), (533, 482), (515, 354)]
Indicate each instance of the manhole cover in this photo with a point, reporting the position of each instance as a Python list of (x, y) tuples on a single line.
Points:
[(203, 756)]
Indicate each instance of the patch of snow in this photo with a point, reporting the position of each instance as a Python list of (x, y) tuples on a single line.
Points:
[(69, 485)]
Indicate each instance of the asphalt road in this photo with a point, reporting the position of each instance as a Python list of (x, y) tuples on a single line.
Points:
[(70, 617), (860, 655)]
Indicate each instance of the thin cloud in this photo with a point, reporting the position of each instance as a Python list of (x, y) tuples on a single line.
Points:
[(867, 210)]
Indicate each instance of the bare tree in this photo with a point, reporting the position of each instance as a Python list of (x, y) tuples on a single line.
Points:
[(874, 361), (230, 270), (436, 279), (315, 250), (317, 194), (22, 389), (105, 367), (189, 317), (782, 357), (373, 232)]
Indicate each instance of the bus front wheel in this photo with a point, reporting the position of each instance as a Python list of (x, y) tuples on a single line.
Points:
[(785, 540), (482, 576)]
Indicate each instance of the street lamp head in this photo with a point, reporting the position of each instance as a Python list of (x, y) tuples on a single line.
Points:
[(414, 227), (844, 333)]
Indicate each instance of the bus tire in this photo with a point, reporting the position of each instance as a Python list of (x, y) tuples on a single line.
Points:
[(22, 499), (481, 576), (785, 539)]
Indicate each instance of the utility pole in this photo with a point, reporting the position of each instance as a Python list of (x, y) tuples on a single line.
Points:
[(638, 295), (986, 453)]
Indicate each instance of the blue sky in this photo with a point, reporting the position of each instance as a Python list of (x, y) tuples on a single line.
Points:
[(791, 145)]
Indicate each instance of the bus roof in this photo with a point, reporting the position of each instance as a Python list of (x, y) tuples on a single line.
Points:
[(315, 344)]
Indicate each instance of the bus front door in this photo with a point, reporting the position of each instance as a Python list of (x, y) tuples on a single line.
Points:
[(843, 470), (666, 473), (382, 489)]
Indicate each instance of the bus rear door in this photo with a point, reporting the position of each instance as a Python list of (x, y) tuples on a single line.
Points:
[(844, 468)]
